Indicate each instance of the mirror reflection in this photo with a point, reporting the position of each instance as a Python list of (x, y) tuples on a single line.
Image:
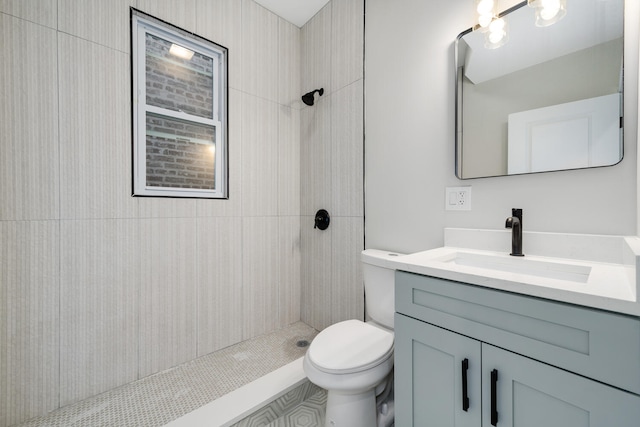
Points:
[(546, 98)]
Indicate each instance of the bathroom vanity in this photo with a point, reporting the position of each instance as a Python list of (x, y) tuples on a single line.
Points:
[(497, 343)]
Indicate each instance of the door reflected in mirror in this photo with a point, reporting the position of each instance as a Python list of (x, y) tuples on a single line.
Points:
[(548, 99)]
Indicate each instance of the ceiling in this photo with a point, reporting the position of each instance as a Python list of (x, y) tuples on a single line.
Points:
[(298, 12)]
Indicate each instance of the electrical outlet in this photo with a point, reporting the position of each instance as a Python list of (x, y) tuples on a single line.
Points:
[(458, 198)]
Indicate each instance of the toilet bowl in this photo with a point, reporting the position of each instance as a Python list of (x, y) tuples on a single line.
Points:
[(350, 359), (353, 360)]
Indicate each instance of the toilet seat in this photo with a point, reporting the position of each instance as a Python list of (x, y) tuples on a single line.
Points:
[(350, 346)]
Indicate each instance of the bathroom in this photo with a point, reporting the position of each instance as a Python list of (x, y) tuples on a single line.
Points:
[(87, 270)]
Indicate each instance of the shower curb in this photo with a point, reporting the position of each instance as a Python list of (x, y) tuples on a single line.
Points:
[(235, 406)]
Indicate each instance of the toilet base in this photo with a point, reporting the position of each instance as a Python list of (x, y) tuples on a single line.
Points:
[(351, 410)]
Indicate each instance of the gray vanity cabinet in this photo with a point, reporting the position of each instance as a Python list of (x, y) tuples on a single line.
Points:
[(534, 394), (429, 376), (472, 356)]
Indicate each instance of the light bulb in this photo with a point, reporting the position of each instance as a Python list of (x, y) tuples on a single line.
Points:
[(496, 36), (549, 12), (550, 3), (485, 7), (485, 20), (550, 8), (497, 25)]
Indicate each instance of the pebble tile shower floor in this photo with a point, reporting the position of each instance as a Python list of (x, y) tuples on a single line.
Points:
[(165, 396)]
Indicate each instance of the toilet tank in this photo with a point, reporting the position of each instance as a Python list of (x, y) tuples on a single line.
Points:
[(378, 271)]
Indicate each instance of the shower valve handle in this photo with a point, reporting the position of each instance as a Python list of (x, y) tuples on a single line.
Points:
[(322, 219)]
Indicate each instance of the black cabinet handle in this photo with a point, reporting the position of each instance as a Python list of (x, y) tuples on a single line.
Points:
[(465, 395), (494, 403)]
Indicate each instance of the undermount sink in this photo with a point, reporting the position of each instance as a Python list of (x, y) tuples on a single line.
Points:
[(591, 270), (505, 263)]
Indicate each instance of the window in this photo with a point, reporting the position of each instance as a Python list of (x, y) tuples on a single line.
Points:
[(179, 112)]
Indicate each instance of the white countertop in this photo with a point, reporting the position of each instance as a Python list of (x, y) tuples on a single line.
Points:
[(597, 271)]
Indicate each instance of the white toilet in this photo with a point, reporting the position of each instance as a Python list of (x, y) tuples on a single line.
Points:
[(353, 360)]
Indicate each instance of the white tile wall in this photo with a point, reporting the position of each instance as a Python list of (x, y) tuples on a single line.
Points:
[(331, 153), (99, 21), (29, 184), (99, 289), (163, 207), (95, 135), (315, 56), (181, 13), (271, 273), (41, 12), (261, 275), (289, 273), (289, 90), (347, 41), (260, 49), (29, 295), (347, 150), (347, 289), (316, 272), (260, 156), (315, 156), (219, 283), (167, 293), (217, 20), (332, 287), (288, 160)]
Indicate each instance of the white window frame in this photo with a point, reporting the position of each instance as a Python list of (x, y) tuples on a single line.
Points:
[(141, 25)]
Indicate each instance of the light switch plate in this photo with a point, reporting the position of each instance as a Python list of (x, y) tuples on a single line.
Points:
[(458, 198)]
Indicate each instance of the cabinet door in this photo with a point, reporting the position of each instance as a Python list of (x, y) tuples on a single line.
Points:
[(533, 394), (429, 376)]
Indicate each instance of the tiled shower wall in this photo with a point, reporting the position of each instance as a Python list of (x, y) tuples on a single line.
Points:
[(97, 288), (332, 164)]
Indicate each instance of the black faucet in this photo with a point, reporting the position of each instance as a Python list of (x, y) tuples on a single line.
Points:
[(514, 222)]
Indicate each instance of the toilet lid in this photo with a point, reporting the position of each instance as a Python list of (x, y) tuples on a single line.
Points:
[(350, 346)]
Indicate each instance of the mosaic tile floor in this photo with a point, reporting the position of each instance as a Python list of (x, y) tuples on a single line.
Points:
[(303, 406), (163, 397)]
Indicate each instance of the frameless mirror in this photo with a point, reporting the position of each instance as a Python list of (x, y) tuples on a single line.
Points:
[(548, 99)]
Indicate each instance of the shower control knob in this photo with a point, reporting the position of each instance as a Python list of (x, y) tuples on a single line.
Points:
[(322, 219)]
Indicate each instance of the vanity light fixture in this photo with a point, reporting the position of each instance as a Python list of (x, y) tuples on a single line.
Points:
[(548, 12), (489, 22), (486, 12), (497, 35), (181, 52)]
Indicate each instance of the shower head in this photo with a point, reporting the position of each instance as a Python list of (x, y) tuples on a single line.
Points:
[(308, 98)]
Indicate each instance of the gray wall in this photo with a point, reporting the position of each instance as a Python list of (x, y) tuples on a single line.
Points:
[(409, 128), (97, 288)]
